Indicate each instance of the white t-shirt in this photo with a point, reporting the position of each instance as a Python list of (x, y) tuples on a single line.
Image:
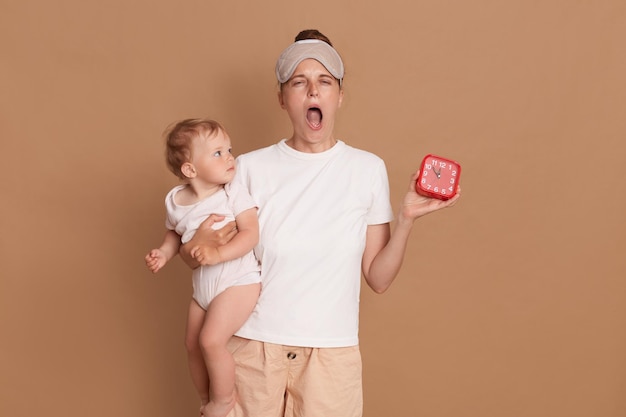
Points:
[(314, 209)]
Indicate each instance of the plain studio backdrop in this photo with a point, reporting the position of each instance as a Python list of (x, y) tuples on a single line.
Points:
[(511, 304)]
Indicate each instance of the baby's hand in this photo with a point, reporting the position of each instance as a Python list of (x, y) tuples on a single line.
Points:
[(205, 255), (155, 260)]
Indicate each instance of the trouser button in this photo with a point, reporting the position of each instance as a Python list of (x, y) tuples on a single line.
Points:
[(291, 355)]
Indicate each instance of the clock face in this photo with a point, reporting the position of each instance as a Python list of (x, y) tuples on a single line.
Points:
[(438, 177)]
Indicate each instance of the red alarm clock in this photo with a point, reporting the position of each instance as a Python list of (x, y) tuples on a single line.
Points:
[(438, 177)]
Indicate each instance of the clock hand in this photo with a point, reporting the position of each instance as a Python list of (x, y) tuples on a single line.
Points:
[(438, 174)]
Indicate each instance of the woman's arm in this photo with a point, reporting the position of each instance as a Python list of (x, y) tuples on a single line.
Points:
[(206, 235), (384, 251), (243, 242)]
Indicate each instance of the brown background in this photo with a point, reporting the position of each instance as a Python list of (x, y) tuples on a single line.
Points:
[(511, 304)]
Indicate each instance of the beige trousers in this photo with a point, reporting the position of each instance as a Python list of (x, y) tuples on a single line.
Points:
[(286, 381)]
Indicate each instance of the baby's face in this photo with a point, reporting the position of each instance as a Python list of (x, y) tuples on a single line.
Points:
[(212, 158)]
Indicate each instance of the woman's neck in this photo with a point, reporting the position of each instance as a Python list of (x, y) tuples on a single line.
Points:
[(310, 146)]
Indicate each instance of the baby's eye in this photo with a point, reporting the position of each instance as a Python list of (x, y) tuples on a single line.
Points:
[(218, 153), (230, 151)]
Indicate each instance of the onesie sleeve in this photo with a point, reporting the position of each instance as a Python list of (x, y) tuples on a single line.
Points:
[(170, 209), (239, 199)]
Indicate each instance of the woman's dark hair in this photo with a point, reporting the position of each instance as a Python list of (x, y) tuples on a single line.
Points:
[(312, 34)]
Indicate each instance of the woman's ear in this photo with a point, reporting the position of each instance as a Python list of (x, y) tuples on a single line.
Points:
[(280, 100), (188, 170)]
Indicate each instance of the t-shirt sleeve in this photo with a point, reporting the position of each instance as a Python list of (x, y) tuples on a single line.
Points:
[(380, 211)]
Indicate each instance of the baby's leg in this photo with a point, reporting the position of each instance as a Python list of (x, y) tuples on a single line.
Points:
[(225, 315), (195, 358)]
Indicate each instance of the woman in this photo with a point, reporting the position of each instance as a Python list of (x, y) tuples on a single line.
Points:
[(324, 216)]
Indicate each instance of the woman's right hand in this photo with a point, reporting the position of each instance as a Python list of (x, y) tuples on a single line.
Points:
[(208, 236)]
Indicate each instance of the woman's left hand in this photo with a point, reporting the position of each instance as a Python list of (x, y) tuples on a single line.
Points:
[(415, 205)]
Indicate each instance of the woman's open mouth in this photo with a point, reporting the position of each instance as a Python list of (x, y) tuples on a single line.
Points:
[(314, 117)]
